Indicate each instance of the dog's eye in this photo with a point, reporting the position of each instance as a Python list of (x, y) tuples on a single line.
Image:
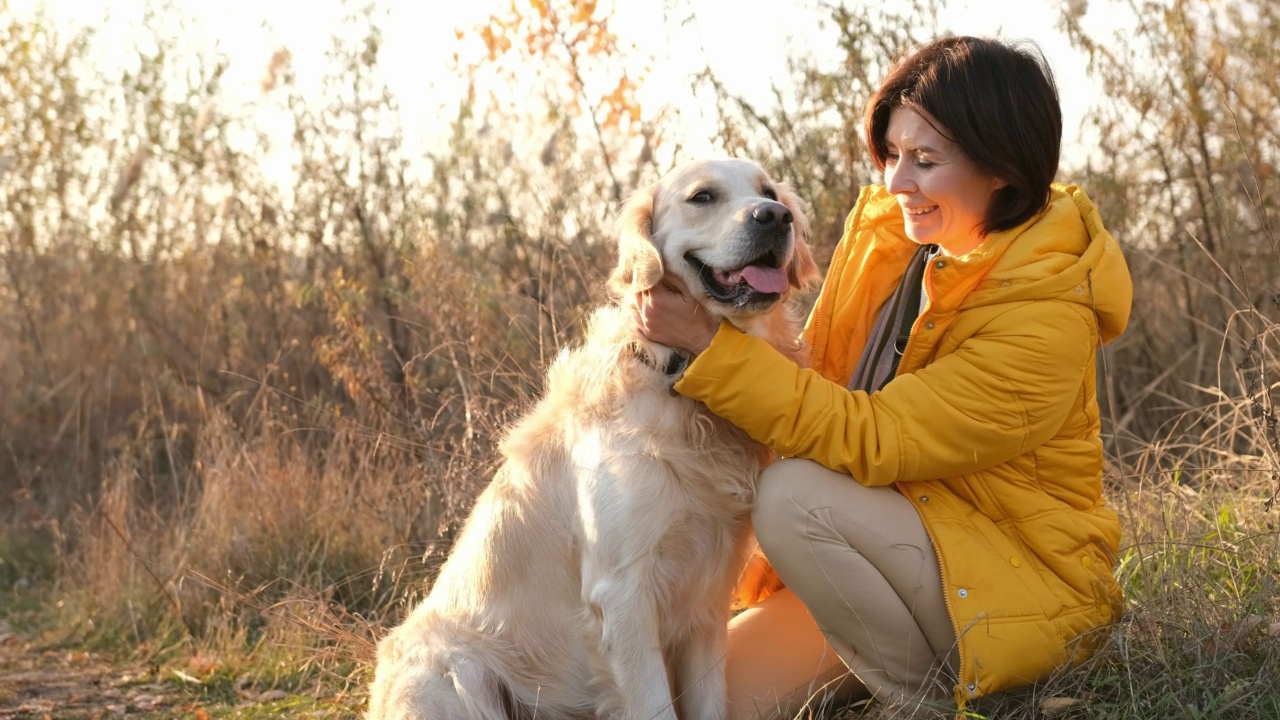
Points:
[(701, 197), (770, 193)]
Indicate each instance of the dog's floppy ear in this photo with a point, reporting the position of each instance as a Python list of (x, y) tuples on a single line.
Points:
[(803, 271), (639, 262)]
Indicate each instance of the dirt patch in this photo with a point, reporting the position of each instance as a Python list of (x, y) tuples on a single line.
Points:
[(45, 683), (40, 682)]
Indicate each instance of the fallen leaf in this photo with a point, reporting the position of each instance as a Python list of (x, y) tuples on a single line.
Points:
[(1273, 630), (272, 696), (1234, 692), (1055, 706), (1249, 623), (202, 665), (147, 702)]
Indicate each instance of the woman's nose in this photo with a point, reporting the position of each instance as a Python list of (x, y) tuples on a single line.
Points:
[(897, 179)]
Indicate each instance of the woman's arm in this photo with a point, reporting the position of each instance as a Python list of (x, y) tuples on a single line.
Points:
[(1004, 390)]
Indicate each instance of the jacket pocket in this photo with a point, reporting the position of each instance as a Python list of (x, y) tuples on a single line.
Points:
[(1012, 652)]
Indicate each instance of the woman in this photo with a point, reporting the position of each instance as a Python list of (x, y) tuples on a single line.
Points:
[(939, 522)]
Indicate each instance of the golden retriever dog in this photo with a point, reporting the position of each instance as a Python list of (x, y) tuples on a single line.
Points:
[(593, 576)]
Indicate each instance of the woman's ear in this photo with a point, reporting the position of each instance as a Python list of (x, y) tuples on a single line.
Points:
[(639, 262), (803, 271)]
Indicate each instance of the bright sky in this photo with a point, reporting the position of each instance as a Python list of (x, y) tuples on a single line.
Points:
[(745, 42)]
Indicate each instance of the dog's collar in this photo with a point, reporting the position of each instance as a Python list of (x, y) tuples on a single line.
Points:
[(676, 360), (677, 363)]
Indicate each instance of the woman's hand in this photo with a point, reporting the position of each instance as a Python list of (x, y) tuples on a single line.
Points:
[(671, 318)]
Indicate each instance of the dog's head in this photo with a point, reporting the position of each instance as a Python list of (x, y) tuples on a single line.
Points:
[(723, 231)]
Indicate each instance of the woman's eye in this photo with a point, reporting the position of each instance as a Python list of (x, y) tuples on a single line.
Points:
[(700, 197), (924, 164)]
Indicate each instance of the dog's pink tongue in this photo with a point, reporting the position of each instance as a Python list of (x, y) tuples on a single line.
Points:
[(765, 279)]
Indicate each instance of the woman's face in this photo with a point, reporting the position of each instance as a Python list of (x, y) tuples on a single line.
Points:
[(943, 195)]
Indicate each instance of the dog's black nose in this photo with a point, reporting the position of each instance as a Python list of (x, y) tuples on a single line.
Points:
[(770, 213)]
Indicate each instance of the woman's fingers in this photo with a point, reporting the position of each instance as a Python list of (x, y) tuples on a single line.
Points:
[(673, 319)]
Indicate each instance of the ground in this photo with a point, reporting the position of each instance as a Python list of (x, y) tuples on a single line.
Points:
[(40, 680)]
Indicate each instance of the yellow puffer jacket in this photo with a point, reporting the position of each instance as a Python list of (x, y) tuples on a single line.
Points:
[(990, 428)]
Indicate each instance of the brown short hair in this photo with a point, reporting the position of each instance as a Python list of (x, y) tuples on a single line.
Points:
[(996, 101)]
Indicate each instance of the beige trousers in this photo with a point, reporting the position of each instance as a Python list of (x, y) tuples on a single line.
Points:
[(863, 613)]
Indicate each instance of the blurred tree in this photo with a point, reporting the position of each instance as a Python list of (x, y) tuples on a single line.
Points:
[(564, 55)]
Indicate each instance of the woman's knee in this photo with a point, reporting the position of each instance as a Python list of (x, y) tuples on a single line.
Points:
[(781, 505)]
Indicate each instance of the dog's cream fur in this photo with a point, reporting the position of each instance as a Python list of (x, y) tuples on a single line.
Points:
[(593, 577)]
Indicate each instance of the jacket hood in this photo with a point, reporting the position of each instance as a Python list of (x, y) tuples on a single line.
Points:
[(1062, 253)]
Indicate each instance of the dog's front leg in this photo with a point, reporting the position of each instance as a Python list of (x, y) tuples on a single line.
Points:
[(700, 671), (632, 648)]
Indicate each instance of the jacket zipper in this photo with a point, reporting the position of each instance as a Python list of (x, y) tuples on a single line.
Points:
[(961, 701), (946, 595)]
